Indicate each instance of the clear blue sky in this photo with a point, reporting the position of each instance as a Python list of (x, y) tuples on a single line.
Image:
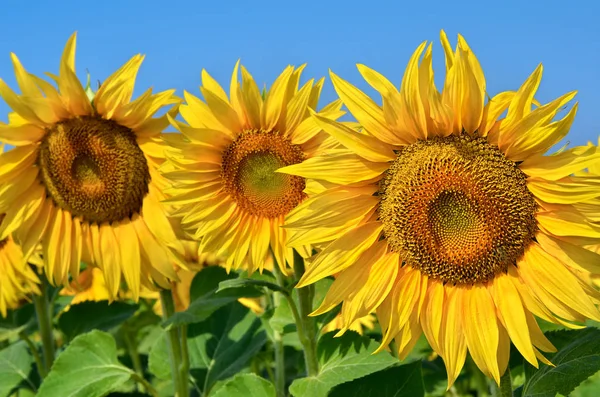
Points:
[(181, 37)]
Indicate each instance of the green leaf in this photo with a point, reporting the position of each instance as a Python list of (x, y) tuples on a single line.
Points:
[(87, 316), (245, 385), (88, 367), (15, 365), (223, 344), (205, 299), (397, 381), (248, 282), (158, 360), (341, 360), (282, 319), (577, 359)]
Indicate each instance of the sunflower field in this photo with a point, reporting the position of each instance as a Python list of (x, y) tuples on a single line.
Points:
[(246, 241)]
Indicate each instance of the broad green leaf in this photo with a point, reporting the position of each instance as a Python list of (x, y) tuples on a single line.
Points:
[(223, 344), (397, 381), (577, 359), (87, 316), (341, 360), (205, 299), (88, 367), (588, 388), (245, 385), (15, 365), (158, 360)]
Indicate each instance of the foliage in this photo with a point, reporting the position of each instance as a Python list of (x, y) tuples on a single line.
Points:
[(120, 349)]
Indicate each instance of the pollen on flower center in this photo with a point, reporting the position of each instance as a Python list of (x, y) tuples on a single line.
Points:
[(248, 173), (457, 209), (94, 168)]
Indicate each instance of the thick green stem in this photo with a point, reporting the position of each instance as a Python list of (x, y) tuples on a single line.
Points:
[(308, 337), (34, 352), (174, 346), (505, 388), (43, 311), (278, 339)]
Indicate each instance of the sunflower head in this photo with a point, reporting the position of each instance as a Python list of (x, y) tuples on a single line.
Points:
[(83, 175), (224, 164), (448, 218)]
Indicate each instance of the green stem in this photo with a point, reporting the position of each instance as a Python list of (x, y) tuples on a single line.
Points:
[(278, 338), (133, 353), (43, 312), (34, 352), (505, 388), (308, 337), (174, 346), (184, 365), (149, 388)]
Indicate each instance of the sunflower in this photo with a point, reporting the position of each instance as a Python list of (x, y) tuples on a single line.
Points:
[(224, 183), (83, 176), (18, 280), (448, 219)]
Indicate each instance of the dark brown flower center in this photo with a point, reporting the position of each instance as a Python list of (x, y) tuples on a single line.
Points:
[(457, 209), (94, 168)]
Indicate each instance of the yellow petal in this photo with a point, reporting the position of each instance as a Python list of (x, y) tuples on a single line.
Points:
[(570, 190), (297, 107), (22, 135), (52, 248), (17, 104), (366, 111), (130, 256), (381, 279), (341, 253), (449, 54), (431, 318), (352, 278), (412, 108), (24, 80), (252, 99), (567, 224), (493, 109), (557, 280), (540, 117), (211, 85), (117, 89), (540, 139), (70, 87), (520, 106), (274, 103), (562, 164), (481, 330), (363, 145), (308, 128), (509, 304), (222, 111), (576, 257), (259, 243), (473, 96), (455, 345), (356, 169)]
